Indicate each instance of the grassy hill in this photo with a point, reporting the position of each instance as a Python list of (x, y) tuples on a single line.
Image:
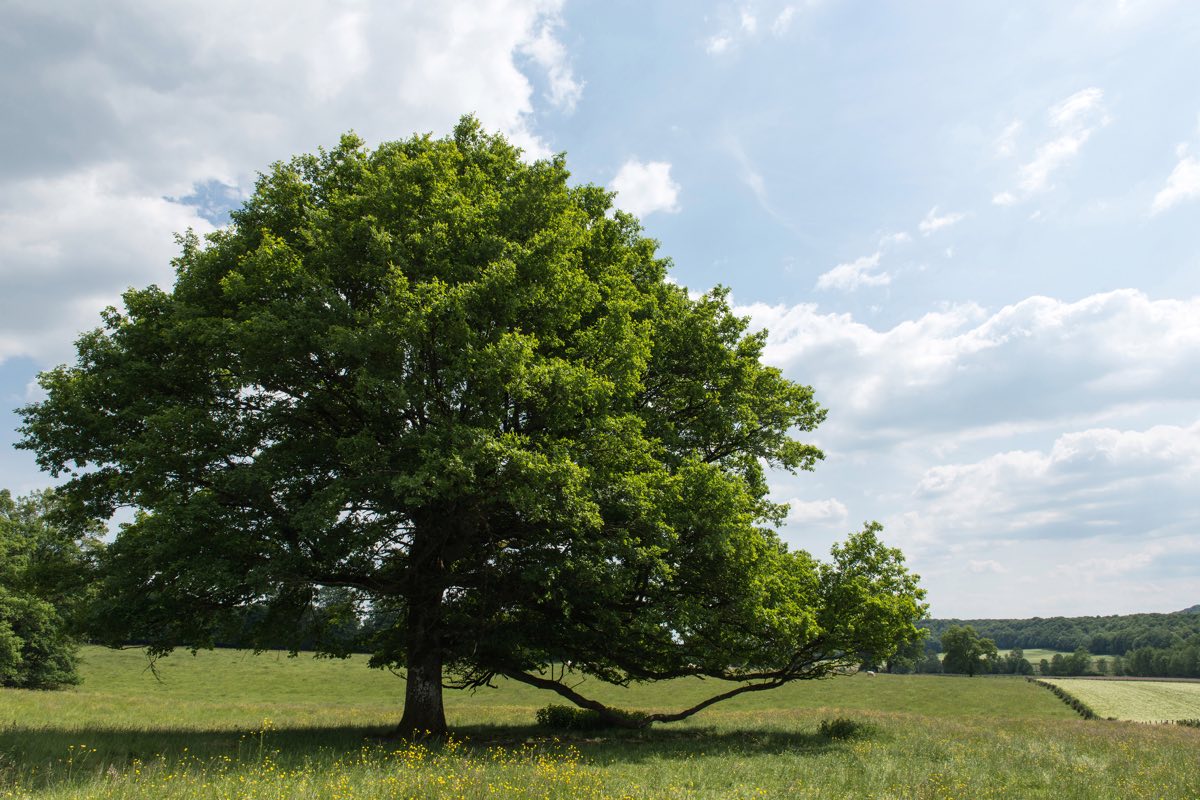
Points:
[(227, 724)]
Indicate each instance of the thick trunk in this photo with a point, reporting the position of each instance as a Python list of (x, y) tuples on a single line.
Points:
[(423, 711)]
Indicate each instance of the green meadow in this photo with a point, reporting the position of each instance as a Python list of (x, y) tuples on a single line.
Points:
[(229, 724)]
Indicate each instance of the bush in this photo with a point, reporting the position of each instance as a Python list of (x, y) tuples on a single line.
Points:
[(571, 718), (35, 652), (842, 728), (45, 572)]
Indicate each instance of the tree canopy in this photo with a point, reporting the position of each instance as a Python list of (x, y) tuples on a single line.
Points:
[(966, 651), (458, 395)]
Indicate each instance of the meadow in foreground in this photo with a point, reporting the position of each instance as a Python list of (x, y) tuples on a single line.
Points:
[(232, 725)]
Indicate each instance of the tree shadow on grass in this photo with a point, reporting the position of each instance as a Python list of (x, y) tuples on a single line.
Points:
[(629, 746), (71, 754)]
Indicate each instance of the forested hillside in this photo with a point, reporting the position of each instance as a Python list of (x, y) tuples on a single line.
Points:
[(1113, 635)]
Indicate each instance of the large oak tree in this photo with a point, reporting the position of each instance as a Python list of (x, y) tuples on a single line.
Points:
[(461, 395)]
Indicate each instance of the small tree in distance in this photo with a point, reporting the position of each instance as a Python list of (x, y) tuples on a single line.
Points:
[(462, 393), (966, 652)]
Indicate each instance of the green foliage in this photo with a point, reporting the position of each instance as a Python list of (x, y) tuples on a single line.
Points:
[(1112, 635), (1077, 663), (966, 652), (1013, 663), (44, 573), (455, 388), (573, 718), (843, 728)]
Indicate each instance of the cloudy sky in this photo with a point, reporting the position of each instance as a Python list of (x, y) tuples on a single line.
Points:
[(974, 228)]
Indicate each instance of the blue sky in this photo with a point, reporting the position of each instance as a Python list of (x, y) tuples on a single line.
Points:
[(972, 227)]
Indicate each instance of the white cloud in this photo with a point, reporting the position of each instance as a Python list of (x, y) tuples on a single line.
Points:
[(1182, 184), (645, 187), (855, 274), (1075, 108), (1088, 480), (145, 101), (747, 22), (715, 45), (933, 222), (979, 566), (783, 21), (892, 239), (550, 54), (830, 511), (1035, 175), (1072, 121), (1039, 361), (1006, 142)]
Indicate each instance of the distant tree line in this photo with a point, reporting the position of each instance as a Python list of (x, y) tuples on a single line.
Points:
[(1112, 635), (1135, 645)]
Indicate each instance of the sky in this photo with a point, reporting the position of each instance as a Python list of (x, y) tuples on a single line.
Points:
[(972, 228)]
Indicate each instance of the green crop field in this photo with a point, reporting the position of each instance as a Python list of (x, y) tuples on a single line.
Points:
[(1142, 701), (226, 724)]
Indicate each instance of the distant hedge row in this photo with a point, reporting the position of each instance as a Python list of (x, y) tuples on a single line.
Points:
[(1084, 709)]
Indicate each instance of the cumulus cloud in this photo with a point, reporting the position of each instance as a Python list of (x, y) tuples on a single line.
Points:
[(1086, 481), (855, 274), (1071, 123), (548, 52), (645, 187), (963, 367), (1182, 184), (146, 101), (830, 511), (996, 443), (935, 222)]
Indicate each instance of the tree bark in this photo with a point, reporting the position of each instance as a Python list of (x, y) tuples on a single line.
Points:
[(424, 714)]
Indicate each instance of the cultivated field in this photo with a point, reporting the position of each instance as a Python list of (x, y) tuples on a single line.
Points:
[(232, 725), (1140, 700)]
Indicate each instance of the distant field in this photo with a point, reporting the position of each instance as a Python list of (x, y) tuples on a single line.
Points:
[(1139, 701), (1036, 654), (228, 725)]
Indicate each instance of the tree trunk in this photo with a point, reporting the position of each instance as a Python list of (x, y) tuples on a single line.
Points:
[(423, 712)]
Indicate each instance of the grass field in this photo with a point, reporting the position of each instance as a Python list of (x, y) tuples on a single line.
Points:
[(1141, 701), (231, 725)]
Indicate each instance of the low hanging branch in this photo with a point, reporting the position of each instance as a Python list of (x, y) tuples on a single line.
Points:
[(617, 717), (801, 668)]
